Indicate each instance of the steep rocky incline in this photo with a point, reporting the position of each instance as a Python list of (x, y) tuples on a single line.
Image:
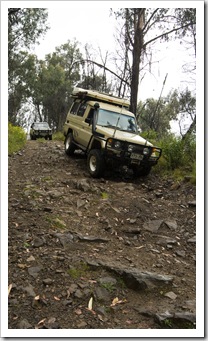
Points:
[(87, 253)]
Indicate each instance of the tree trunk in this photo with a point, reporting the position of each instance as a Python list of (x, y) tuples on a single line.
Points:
[(190, 129), (137, 53), (39, 114)]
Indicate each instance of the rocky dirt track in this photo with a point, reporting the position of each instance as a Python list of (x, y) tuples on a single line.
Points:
[(107, 253)]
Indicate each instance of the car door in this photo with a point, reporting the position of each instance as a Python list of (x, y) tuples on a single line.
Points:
[(84, 132)]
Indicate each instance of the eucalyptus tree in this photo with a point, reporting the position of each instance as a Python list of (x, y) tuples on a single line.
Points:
[(25, 27), (21, 85), (58, 74), (156, 115), (53, 88), (95, 82), (93, 73), (141, 28), (187, 110)]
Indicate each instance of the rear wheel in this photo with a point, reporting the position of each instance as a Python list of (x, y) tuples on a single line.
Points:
[(69, 146), (95, 163)]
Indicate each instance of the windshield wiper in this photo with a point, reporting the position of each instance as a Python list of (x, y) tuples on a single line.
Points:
[(107, 125)]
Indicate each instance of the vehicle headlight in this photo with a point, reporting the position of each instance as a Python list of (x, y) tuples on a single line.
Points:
[(145, 151), (155, 152), (117, 144), (110, 142), (130, 148)]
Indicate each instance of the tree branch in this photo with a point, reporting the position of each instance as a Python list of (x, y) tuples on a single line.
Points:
[(101, 66), (152, 15), (166, 33)]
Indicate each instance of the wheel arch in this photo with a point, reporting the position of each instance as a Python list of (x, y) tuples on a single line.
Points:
[(68, 131), (95, 144)]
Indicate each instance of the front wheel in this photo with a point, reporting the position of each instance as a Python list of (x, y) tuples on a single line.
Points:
[(95, 163), (141, 171), (69, 146)]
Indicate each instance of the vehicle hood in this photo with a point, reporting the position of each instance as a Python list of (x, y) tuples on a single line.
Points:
[(123, 135)]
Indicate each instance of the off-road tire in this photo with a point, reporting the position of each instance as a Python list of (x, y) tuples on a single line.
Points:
[(141, 171), (50, 137), (69, 146), (95, 163)]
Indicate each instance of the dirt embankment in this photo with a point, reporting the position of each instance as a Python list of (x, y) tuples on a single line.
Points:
[(110, 253)]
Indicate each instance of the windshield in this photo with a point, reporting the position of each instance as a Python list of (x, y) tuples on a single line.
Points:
[(113, 119), (41, 125)]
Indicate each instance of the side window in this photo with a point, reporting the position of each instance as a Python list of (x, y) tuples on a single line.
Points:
[(74, 108), (82, 109)]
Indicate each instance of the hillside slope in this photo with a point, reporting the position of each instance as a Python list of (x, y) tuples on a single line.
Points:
[(110, 253)]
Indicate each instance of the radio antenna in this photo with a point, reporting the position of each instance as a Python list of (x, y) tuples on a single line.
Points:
[(118, 121)]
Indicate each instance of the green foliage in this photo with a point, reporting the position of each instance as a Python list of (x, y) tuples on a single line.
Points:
[(178, 154), (58, 136), (26, 245), (95, 82), (104, 196), (55, 222), (178, 157), (186, 17), (55, 78), (173, 323), (156, 115), (173, 151), (140, 29), (150, 135), (193, 173), (25, 26), (79, 270), (108, 286), (16, 139), (41, 140)]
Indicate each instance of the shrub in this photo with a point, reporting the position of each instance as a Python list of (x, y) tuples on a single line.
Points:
[(58, 136), (150, 135), (16, 138), (178, 155), (173, 152)]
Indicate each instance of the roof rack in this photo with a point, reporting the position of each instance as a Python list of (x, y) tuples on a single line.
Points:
[(99, 96)]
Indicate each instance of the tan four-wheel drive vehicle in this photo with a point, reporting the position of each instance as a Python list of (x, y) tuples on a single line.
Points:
[(102, 126)]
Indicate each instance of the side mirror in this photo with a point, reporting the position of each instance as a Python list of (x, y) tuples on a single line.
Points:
[(96, 106)]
